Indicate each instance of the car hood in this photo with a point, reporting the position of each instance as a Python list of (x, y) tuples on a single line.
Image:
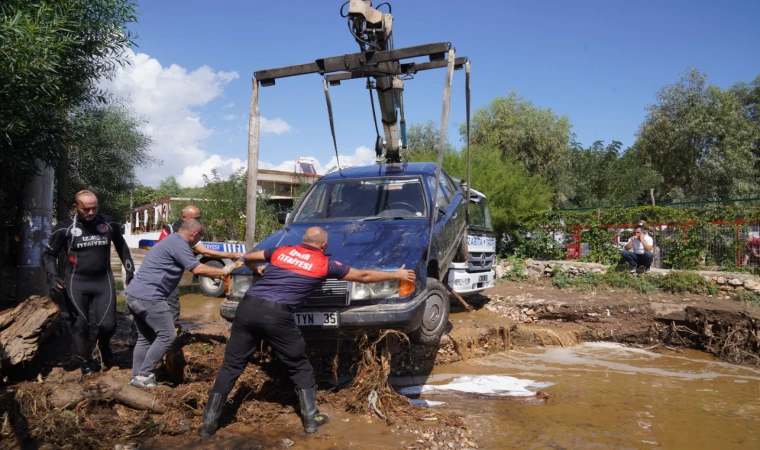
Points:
[(382, 245)]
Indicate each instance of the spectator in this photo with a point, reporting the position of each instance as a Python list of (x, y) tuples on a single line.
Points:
[(638, 250), (751, 246)]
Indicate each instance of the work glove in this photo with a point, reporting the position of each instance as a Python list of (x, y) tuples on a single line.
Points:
[(230, 267), (128, 278), (55, 281)]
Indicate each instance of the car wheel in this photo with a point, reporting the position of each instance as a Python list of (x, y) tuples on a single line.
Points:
[(213, 287), (436, 315), (227, 309), (462, 251)]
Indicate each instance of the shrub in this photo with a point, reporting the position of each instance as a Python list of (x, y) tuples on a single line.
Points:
[(686, 282)]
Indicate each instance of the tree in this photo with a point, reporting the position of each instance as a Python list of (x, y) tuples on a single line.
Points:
[(701, 139), (425, 137), (107, 146), (602, 176), (51, 55), (169, 187), (536, 137), (508, 186)]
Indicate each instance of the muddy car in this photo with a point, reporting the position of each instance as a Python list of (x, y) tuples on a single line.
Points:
[(377, 217)]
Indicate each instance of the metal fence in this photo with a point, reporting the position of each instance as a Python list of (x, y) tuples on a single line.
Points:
[(719, 244)]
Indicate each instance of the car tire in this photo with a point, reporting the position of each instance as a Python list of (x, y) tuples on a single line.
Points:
[(462, 251), (436, 315), (227, 309), (212, 287)]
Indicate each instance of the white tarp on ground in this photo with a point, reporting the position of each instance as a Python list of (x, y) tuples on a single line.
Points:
[(498, 385)]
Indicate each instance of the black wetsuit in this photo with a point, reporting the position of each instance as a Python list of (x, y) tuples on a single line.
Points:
[(88, 279)]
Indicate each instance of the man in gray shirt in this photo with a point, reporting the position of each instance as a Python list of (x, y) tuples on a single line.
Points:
[(159, 274)]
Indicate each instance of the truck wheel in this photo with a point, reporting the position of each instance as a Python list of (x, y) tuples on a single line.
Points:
[(436, 315), (462, 251), (227, 309), (213, 287)]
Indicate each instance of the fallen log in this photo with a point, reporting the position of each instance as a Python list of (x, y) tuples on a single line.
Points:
[(22, 329), (107, 388)]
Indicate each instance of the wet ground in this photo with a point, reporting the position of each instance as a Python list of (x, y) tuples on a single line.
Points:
[(639, 387)]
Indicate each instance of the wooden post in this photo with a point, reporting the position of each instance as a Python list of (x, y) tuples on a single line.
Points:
[(254, 129)]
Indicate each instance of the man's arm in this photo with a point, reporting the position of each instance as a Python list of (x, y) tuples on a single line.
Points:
[(374, 276), (123, 250), (203, 250), (255, 257), (646, 246), (50, 255), (211, 272), (629, 244)]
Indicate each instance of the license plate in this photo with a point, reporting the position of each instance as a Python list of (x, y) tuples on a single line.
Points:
[(316, 319), (482, 278)]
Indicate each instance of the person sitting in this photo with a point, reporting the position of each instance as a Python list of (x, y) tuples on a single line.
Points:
[(638, 250), (751, 247)]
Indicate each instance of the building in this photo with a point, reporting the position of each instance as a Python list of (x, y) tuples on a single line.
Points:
[(282, 188)]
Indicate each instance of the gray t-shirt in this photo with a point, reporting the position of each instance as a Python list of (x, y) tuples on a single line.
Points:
[(162, 269)]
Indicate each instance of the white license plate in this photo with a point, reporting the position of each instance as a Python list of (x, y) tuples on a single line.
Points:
[(316, 319), (482, 278)]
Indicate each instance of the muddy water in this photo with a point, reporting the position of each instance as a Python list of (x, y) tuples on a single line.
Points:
[(607, 396)]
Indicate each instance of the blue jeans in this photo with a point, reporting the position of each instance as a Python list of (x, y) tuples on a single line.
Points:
[(155, 333), (637, 259)]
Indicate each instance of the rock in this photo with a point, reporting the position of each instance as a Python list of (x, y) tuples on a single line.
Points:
[(735, 282), (499, 271), (721, 280), (751, 285), (285, 443), (597, 271), (708, 278)]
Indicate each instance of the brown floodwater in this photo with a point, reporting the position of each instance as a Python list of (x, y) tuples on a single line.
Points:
[(609, 396), (601, 395)]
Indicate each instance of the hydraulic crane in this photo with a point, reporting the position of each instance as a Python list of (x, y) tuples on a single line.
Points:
[(385, 70), (380, 63)]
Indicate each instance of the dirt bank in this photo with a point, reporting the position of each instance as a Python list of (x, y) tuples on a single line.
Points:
[(262, 412)]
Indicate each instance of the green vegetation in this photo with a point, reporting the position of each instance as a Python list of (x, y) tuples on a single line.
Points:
[(674, 282)]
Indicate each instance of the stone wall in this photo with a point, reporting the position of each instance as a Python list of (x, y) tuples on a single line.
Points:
[(728, 281)]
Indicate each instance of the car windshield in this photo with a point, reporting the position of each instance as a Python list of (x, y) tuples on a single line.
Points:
[(377, 198), (480, 216)]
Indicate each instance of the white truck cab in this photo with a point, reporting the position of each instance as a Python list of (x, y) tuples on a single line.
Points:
[(477, 274)]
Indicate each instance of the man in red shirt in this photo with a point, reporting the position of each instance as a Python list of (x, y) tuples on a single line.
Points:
[(188, 212), (751, 247), (266, 312)]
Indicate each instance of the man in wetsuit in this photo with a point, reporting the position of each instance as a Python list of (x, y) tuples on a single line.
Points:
[(88, 280), (188, 212), (266, 312)]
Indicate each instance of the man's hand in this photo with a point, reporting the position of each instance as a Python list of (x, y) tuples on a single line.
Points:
[(56, 285), (259, 270), (237, 255), (405, 275)]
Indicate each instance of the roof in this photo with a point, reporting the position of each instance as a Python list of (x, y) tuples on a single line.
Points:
[(416, 168)]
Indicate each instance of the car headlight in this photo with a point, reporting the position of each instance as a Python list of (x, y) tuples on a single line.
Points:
[(369, 291), (383, 289)]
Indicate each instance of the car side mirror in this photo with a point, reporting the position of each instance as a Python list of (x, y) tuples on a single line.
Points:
[(283, 216), (441, 213)]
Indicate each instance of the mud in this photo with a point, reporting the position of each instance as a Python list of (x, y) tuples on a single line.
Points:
[(262, 412)]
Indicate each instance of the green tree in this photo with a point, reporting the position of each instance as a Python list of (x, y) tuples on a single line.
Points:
[(511, 191), (106, 148), (425, 137), (538, 138), (602, 175), (52, 53), (169, 187), (701, 139)]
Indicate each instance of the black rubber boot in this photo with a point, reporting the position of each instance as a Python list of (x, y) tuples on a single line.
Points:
[(211, 414), (87, 368), (310, 415)]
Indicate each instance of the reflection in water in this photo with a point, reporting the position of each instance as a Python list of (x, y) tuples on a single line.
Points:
[(607, 395)]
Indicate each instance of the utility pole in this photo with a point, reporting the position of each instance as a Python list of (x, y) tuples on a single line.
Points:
[(36, 223), (254, 128)]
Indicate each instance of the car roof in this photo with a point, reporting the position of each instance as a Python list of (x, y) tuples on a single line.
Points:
[(384, 170)]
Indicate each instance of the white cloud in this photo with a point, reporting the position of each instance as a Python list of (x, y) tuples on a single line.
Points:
[(274, 126), (165, 96)]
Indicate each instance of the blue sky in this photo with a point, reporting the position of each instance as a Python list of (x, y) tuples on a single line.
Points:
[(598, 62)]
